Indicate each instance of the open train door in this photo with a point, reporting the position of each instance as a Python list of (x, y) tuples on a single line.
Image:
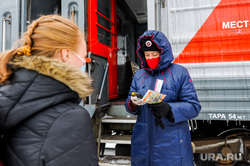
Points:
[(102, 44)]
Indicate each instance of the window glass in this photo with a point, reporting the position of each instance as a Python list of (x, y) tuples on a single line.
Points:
[(104, 36)]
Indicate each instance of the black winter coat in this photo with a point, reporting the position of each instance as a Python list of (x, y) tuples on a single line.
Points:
[(40, 113)]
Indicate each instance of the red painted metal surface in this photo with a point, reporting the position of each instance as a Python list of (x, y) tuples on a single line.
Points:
[(98, 48), (224, 37)]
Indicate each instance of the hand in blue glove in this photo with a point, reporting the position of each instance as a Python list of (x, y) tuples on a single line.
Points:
[(160, 110)]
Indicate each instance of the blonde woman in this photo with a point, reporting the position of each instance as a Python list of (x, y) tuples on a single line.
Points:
[(41, 86)]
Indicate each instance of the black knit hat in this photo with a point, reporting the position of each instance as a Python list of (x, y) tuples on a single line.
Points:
[(148, 45)]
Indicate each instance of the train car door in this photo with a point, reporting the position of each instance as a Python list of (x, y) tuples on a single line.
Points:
[(102, 37)]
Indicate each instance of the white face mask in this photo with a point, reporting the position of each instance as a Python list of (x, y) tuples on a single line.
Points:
[(83, 68)]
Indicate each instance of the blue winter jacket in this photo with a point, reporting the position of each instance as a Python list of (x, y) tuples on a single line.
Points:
[(151, 145)]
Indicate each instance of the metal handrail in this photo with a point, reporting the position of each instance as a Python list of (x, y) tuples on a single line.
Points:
[(103, 81), (4, 34), (104, 28), (104, 17)]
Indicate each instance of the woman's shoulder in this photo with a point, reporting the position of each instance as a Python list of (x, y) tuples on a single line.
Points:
[(74, 110), (140, 72), (65, 113), (75, 117), (177, 69), (177, 66)]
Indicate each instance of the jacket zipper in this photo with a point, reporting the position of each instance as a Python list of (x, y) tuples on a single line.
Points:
[(150, 124), (149, 137)]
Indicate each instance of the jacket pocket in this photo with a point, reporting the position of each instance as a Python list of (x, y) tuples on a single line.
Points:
[(167, 142), (170, 95)]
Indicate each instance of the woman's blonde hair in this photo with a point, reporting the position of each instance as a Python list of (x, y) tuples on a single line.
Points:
[(44, 37)]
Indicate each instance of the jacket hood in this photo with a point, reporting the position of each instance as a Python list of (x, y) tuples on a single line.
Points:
[(37, 83), (163, 44)]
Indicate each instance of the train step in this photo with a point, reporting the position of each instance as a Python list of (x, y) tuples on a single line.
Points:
[(121, 122), (113, 119), (117, 139), (115, 161)]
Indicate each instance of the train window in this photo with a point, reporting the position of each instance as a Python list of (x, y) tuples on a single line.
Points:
[(104, 6), (104, 16)]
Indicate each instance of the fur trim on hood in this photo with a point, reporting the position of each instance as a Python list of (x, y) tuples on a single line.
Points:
[(69, 75)]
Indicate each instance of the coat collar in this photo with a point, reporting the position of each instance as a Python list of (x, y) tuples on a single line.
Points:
[(69, 75)]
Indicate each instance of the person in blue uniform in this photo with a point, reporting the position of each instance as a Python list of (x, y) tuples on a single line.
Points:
[(161, 134)]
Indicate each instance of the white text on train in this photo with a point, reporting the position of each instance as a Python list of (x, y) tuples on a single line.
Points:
[(235, 24)]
